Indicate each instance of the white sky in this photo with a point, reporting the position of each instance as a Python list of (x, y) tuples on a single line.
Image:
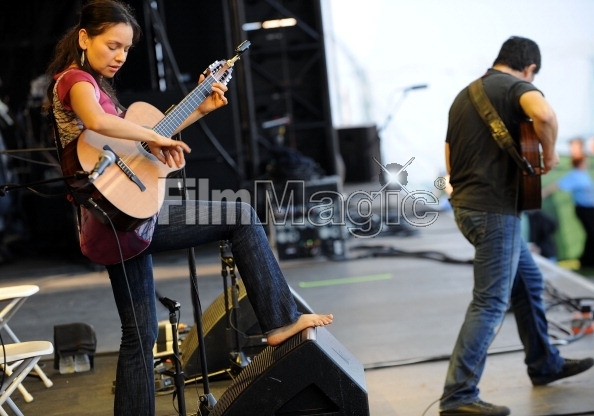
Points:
[(378, 47)]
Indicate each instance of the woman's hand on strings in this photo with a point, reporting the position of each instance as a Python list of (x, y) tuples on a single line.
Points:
[(169, 151), (215, 100)]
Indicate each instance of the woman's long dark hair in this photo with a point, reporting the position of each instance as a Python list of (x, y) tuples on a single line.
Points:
[(95, 17)]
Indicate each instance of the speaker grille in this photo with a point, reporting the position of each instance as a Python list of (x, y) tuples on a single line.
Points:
[(309, 374)]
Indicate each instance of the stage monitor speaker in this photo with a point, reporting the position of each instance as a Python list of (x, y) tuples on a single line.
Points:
[(309, 374), (218, 340), (358, 147)]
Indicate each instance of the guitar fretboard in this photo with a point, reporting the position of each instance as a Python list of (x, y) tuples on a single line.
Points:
[(167, 126)]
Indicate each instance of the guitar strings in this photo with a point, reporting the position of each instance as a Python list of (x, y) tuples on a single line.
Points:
[(168, 124)]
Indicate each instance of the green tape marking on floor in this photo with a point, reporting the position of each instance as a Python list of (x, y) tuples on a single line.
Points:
[(346, 280)]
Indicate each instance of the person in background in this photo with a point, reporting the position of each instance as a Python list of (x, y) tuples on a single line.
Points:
[(542, 227), (577, 148), (485, 183), (579, 184), (82, 95)]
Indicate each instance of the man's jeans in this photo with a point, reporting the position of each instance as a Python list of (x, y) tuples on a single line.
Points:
[(504, 270)]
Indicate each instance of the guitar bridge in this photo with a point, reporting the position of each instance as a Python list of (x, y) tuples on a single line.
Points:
[(126, 169)]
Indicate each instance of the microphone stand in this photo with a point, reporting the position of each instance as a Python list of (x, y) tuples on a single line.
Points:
[(7, 187), (207, 401), (237, 357), (398, 103), (173, 307)]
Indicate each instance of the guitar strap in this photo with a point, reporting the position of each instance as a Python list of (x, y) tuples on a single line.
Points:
[(499, 131)]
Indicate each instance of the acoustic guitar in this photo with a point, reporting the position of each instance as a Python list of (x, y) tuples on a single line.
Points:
[(132, 190), (530, 196)]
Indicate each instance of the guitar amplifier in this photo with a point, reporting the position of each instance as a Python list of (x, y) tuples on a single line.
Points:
[(295, 241), (318, 231)]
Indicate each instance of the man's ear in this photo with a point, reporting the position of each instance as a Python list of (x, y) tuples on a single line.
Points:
[(528, 72)]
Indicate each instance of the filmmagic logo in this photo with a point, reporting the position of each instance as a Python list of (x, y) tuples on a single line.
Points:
[(293, 203), (412, 207)]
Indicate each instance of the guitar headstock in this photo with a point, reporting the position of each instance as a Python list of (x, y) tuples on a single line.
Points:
[(239, 50), (242, 47), (221, 70)]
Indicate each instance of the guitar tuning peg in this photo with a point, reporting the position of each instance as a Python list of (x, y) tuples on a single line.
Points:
[(242, 47)]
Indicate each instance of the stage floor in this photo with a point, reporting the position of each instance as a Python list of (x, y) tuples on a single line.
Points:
[(398, 303)]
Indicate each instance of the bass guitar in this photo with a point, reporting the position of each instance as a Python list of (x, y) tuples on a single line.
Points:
[(530, 196), (132, 189)]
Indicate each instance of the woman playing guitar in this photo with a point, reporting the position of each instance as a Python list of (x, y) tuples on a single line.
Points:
[(86, 59)]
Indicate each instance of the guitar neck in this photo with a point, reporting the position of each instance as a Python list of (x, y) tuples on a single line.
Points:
[(171, 122)]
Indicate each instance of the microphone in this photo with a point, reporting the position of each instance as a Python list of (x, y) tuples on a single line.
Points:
[(106, 158), (170, 304), (416, 87)]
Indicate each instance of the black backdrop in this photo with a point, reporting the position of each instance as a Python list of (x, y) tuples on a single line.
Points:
[(29, 30)]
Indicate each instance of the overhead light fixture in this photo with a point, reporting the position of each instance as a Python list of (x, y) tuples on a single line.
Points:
[(252, 26), (273, 24), (270, 24)]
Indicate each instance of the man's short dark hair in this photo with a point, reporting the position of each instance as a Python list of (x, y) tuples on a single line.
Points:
[(518, 53)]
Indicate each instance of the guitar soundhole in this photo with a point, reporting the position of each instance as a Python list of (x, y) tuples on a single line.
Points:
[(144, 150)]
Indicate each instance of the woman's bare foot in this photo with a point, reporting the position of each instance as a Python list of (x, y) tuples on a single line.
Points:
[(308, 320)]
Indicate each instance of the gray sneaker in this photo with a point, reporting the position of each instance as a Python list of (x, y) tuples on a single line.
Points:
[(477, 408), (570, 368)]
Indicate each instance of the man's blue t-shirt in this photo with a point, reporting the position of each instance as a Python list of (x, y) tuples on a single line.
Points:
[(579, 184)]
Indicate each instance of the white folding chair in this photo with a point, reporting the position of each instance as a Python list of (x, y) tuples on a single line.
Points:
[(14, 297), (22, 358)]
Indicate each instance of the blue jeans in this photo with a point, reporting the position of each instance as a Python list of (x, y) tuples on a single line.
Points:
[(504, 272), (183, 226)]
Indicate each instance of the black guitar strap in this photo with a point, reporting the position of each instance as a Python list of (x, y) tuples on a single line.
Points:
[(498, 129)]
